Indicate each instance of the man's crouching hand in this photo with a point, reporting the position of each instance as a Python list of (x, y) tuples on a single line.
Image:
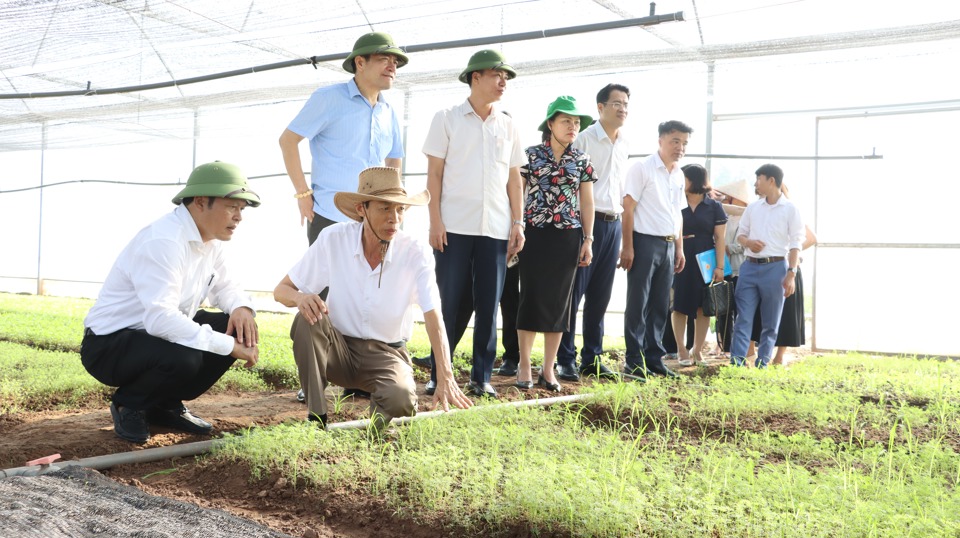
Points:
[(448, 393), (243, 325), (311, 307)]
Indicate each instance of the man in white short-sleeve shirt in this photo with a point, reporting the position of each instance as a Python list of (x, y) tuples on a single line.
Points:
[(652, 248), (146, 334), (375, 273), (473, 175)]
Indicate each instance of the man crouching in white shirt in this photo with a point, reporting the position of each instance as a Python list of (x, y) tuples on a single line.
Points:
[(375, 272), (145, 334)]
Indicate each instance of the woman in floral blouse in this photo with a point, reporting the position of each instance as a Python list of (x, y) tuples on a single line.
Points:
[(558, 220)]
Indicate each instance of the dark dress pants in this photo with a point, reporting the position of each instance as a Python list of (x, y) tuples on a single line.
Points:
[(482, 260), (149, 371), (509, 302), (648, 302), (593, 285)]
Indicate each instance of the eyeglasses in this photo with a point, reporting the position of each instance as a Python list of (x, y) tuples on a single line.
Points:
[(618, 105)]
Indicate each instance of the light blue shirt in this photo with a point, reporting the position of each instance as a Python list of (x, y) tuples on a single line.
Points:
[(346, 136)]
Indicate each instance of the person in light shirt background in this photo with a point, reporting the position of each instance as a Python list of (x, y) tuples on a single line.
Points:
[(608, 148), (652, 248), (772, 233)]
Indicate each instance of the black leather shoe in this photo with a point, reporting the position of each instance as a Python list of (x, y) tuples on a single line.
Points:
[(552, 387), (431, 388), (357, 393), (508, 368), (129, 424), (321, 419), (663, 371), (301, 396), (568, 372), (638, 374), (523, 385), (422, 362), (179, 419), (598, 369), (481, 390)]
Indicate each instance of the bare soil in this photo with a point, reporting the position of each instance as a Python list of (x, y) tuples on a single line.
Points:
[(347, 511)]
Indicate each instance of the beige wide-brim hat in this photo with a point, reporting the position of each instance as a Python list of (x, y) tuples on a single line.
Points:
[(739, 189), (382, 184)]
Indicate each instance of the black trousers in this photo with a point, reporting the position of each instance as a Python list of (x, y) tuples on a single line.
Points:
[(509, 302), (152, 372)]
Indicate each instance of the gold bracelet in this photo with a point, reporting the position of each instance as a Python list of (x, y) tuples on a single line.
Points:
[(303, 194)]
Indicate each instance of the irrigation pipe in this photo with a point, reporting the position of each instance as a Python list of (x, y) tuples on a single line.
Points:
[(314, 60), (201, 447)]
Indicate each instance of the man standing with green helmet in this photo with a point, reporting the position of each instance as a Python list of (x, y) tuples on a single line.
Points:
[(350, 127), (145, 334), (473, 175)]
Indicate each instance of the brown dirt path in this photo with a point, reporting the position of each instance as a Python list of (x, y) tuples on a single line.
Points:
[(345, 512)]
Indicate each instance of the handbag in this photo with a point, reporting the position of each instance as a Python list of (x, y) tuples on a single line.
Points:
[(717, 298)]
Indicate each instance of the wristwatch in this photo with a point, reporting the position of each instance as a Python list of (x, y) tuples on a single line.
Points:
[(792, 269)]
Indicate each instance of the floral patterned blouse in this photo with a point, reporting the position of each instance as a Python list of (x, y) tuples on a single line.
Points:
[(553, 188)]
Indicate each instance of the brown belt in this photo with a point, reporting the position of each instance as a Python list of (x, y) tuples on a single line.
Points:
[(771, 259), (607, 217)]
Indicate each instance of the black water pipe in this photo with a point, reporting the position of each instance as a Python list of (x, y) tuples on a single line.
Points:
[(313, 60)]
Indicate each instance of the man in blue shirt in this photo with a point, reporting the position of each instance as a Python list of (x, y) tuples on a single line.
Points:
[(350, 127)]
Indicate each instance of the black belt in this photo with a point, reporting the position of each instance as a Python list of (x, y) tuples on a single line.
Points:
[(88, 332), (396, 345), (607, 217), (667, 238), (771, 259)]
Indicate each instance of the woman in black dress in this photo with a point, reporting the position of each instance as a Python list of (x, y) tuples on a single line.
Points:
[(704, 228), (558, 219)]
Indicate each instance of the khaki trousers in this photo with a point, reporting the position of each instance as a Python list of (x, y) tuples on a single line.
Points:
[(324, 355)]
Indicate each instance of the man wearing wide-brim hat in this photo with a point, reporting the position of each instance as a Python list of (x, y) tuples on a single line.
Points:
[(375, 273), (473, 175), (145, 334), (349, 126)]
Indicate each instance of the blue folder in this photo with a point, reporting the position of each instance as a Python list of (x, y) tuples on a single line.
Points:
[(707, 260)]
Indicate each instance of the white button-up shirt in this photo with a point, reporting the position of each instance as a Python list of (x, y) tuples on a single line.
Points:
[(359, 303), (478, 155), (609, 160), (779, 226), (659, 196), (159, 281)]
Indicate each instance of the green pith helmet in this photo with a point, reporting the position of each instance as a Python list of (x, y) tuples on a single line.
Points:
[(567, 105), (487, 59), (374, 43), (218, 179)]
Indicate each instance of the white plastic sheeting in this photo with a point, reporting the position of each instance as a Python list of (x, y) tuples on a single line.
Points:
[(766, 70)]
